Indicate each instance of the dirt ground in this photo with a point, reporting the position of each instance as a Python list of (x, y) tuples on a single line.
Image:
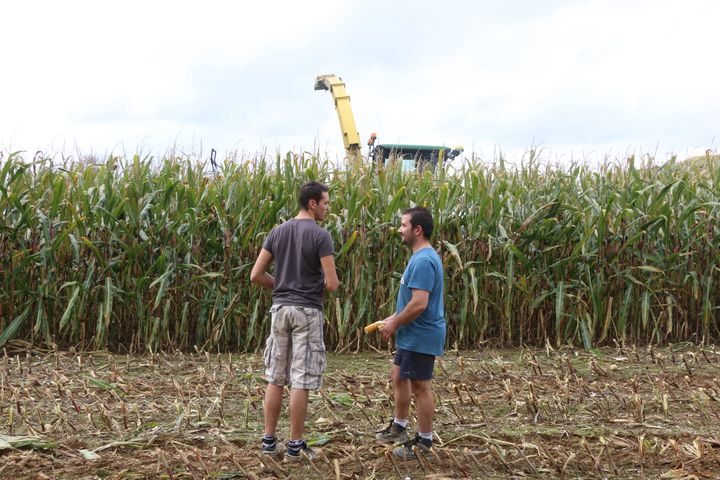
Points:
[(634, 412)]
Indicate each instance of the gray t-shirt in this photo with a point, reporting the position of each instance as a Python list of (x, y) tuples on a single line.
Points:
[(297, 247)]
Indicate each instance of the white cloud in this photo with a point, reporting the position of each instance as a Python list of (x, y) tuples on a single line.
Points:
[(593, 76)]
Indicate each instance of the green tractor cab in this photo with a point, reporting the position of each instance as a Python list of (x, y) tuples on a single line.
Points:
[(413, 156)]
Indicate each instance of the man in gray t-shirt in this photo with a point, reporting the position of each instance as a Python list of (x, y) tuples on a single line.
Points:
[(297, 247), (294, 351)]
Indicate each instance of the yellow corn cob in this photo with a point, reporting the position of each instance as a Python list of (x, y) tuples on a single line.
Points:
[(374, 326)]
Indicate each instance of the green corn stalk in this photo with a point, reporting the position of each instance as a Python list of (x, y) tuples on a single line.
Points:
[(101, 248)]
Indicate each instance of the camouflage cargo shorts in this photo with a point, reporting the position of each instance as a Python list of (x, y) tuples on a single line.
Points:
[(295, 350)]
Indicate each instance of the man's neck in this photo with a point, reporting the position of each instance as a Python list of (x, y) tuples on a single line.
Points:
[(304, 215), (420, 245)]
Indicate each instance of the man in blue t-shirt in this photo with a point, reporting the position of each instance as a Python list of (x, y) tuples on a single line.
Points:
[(419, 328)]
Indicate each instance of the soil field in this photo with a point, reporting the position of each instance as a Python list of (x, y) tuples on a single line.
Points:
[(625, 412)]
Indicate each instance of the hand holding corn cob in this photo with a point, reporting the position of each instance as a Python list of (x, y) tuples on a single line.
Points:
[(375, 326)]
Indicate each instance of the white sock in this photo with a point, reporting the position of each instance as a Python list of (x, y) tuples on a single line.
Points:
[(426, 436), (402, 423)]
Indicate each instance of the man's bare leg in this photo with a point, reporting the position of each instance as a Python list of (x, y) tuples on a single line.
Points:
[(403, 394), (298, 412), (424, 404), (271, 407)]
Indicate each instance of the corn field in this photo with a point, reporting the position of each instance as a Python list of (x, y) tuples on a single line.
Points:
[(144, 255)]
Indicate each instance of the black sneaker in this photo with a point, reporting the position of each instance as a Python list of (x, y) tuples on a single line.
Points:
[(292, 455), (269, 445), (418, 444), (394, 433)]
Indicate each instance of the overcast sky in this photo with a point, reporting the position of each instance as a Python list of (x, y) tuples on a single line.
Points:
[(581, 79)]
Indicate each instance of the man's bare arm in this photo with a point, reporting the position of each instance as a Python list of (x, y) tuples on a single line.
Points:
[(331, 279), (417, 305), (259, 274)]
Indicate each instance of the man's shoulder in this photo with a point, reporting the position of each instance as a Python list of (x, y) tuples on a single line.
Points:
[(428, 259), (281, 231), (319, 231), (304, 224), (427, 255), (288, 225), (292, 227), (314, 226), (279, 227)]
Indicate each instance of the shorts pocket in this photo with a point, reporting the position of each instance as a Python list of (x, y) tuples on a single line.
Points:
[(316, 359), (269, 351)]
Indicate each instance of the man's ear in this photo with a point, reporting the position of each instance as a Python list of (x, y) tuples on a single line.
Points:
[(312, 204)]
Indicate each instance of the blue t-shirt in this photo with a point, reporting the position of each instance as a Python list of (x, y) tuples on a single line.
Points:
[(425, 334)]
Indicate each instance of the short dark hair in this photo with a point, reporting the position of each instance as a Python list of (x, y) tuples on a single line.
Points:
[(421, 216), (311, 191)]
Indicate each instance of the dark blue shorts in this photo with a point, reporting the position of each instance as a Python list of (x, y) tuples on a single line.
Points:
[(414, 365)]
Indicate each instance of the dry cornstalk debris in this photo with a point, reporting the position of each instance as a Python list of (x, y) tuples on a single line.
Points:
[(203, 412)]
